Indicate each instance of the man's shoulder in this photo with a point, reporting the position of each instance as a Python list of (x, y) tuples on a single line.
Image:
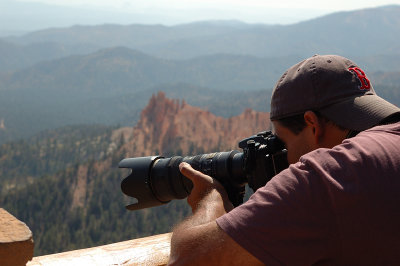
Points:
[(393, 128)]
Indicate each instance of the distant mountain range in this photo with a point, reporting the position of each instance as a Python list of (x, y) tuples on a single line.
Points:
[(120, 69), (359, 33), (104, 74)]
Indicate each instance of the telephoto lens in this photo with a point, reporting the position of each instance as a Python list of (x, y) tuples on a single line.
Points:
[(155, 180)]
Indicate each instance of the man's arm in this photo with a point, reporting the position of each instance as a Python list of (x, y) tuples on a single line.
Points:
[(199, 240)]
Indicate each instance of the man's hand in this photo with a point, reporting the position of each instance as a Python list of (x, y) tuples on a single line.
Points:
[(199, 240), (203, 185)]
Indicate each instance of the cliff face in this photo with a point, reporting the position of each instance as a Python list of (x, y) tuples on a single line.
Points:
[(168, 125)]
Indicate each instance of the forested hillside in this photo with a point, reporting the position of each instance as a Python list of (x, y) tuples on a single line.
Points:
[(24, 161)]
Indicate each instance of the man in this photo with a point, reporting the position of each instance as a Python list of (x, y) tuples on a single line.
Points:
[(337, 203)]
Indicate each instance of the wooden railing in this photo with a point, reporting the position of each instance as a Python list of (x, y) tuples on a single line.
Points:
[(16, 248), (152, 250)]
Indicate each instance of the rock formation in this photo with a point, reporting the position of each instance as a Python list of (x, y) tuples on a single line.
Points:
[(168, 126)]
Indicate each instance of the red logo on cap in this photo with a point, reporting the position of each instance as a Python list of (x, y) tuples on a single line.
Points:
[(364, 81)]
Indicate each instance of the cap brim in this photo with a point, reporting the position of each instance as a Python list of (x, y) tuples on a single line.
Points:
[(359, 113)]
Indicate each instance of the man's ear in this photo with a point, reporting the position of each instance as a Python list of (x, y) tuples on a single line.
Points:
[(315, 125)]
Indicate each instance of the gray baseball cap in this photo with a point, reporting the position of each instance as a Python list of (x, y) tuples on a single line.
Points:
[(334, 86)]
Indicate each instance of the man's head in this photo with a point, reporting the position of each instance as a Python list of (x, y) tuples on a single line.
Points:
[(332, 95)]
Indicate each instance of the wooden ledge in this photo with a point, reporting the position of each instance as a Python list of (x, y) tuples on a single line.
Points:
[(152, 250)]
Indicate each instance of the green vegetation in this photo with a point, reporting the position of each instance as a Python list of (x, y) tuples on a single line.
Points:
[(49, 152), (44, 171)]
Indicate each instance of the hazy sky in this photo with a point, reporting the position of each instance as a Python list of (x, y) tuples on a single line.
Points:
[(20, 15), (263, 11), (231, 4)]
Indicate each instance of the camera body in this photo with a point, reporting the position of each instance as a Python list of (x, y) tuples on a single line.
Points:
[(155, 180)]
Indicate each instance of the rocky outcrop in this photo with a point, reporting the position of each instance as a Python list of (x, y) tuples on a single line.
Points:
[(169, 126)]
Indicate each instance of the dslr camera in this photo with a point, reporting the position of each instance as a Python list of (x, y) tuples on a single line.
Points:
[(155, 180)]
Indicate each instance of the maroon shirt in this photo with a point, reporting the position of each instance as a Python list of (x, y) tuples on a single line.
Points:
[(335, 206)]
